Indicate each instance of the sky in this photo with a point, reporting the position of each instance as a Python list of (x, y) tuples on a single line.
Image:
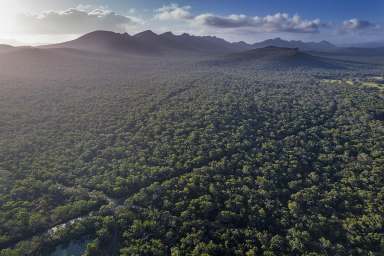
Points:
[(36, 22)]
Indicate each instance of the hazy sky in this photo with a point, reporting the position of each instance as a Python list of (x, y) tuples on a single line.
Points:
[(339, 21)]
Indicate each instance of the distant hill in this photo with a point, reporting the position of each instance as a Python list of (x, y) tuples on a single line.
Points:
[(266, 53), (272, 56), (106, 41), (303, 46), (373, 44), (5, 48), (356, 54), (47, 64), (357, 51), (150, 43)]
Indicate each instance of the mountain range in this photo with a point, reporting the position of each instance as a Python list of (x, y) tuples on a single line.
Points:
[(95, 46), (150, 43)]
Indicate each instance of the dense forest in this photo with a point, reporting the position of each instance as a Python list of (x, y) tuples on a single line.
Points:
[(192, 159)]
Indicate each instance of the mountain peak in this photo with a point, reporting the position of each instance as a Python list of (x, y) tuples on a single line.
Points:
[(146, 34), (103, 36), (325, 42), (99, 33), (168, 34)]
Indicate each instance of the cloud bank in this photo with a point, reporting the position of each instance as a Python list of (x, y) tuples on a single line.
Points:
[(82, 19), (173, 12), (279, 22), (357, 25), (73, 21)]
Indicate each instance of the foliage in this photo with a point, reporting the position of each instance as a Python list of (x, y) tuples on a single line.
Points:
[(207, 160)]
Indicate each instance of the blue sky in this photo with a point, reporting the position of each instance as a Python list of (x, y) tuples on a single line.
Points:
[(336, 10), (339, 21)]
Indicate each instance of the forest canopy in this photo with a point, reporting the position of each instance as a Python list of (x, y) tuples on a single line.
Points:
[(192, 158)]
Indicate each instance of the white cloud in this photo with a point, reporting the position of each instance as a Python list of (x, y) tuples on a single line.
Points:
[(356, 25), (81, 19), (52, 26), (279, 22), (173, 12)]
